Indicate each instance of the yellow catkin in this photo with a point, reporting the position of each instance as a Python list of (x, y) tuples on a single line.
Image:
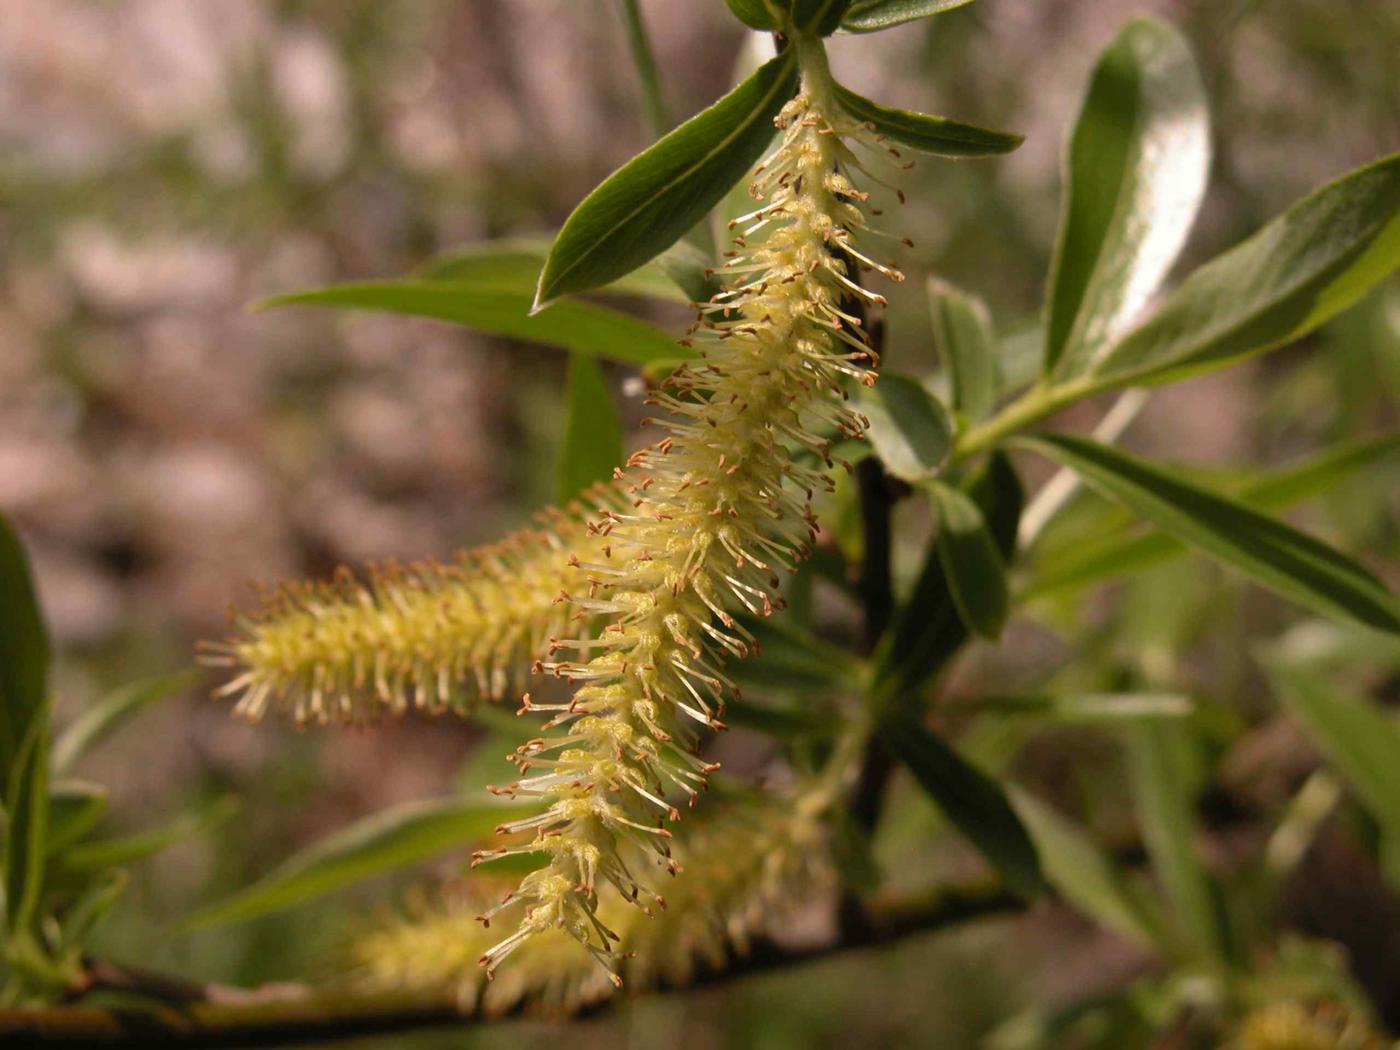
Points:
[(1305, 1026), (428, 635), (748, 868), (718, 506)]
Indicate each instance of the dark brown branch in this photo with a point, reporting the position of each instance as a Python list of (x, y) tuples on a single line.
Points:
[(283, 1016)]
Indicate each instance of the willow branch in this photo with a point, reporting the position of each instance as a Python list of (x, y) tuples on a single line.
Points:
[(280, 1015)]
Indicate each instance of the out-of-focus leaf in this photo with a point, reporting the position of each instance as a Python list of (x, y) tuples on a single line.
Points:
[(1135, 173), (788, 657), (927, 630), (1089, 560), (910, 429), (927, 134), (24, 651), (88, 857), (971, 561), (75, 808), (1019, 362), (391, 839), (26, 831), (92, 906), (584, 328), (1082, 707), (1268, 551), (868, 16), (689, 269), (514, 265), (1362, 743), (1085, 876), (592, 445), (963, 336), (1162, 792), (786, 723), (651, 201), (111, 713), (971, 800), (1309, 264)]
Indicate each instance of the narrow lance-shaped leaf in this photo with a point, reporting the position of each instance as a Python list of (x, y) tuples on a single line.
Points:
[(820, 16), (387, 840), (514, 265), (1268, 551), (759, 14), (75, 808), (1309, 264), (111, 713), (963, 336), (582, 327), (868, 16), (910, 429), (651, 201), (592, 445), (24, 653), (927, 134), (87, 857), (971, 562), (1084, 562), (970, 799), (27, 827), (1135, 173), (1362, 743)]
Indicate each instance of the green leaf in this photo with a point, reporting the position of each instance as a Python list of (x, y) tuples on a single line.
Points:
[(75, 808), (1276, 555), (1309, 264), (927, 629), (111, 713), (88, 857), (1085, 876), (1081, 707), (652, 200), (592, 445), (910, 429), (971, 561), (1135, 174), (972, 801), (24, 651), (91, 907), (1361, 741), (758, 14), (867, 16), (823, 16), (963, 336), (927, 134), (1157, 760), (1087, 560), (787, 657), (26, 833), (514, 265), (387, 840), (582, 327)]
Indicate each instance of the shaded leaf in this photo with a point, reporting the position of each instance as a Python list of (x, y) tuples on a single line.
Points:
[(963, 336), (868, 16), (24, 651), (87, 857), (75, 808), (910, 429), (758, 14), (592, 445), (821, 16), (971, 800), (971, 562), (651, 201), (1135, 174), (1309, 264), (1268, 551), (1082, 707), (91, 907), (26, 831), (111, 713), (582, 327), (927, 134), (1084, 874), (514, 265), (391, 839), (927, 630)]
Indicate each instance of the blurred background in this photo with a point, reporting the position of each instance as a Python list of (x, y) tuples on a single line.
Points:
[(163, 163)]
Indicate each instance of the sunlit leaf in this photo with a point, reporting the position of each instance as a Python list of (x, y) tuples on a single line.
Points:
[(1268, 551), (652, 200), (1309, 264), (759, 14), (514, 265), (1135, 174)]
